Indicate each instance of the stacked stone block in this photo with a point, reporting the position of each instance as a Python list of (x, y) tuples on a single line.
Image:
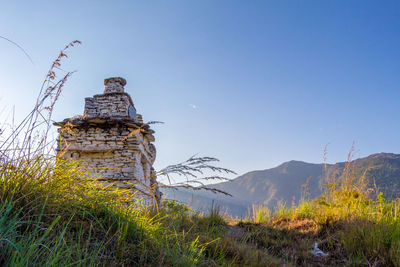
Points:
[(112, 141)]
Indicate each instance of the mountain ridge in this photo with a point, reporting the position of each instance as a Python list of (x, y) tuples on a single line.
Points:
[(283, 184)]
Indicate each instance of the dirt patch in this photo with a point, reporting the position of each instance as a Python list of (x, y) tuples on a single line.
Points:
[(304, 226)]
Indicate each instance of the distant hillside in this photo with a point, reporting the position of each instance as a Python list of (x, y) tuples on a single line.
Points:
[(282, 184)]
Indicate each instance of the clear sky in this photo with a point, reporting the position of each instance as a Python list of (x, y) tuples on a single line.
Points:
[(254, 83)]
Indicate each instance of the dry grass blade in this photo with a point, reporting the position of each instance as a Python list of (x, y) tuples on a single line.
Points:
[(20, 48), (39, 116), (191, 169)]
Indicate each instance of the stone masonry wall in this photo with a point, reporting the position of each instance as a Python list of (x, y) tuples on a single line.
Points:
[(92, 142), (112, 104), (111, 141)]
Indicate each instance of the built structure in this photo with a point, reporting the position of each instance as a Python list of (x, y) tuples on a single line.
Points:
[(112, 142)]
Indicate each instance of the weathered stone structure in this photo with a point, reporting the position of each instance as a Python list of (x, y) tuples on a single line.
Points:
[(112, 141)]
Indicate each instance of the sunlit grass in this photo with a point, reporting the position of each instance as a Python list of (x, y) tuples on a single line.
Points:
[(354, 225), (53, 213)]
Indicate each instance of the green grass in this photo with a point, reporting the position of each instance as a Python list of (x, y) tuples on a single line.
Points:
[(51, 216), (355, 227), (53, 213)]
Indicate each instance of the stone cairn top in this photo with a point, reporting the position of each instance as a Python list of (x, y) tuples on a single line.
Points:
[(114, 85)]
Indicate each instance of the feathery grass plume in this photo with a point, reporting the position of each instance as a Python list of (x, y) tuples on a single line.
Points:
[(52, 213), (55, 214), (190, 170), (344, 184), (355, 227), (25, 138)]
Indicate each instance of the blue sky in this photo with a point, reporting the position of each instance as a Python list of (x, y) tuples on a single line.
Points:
[(254, 83)]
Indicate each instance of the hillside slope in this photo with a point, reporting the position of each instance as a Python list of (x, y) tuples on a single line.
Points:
[(283, 184)]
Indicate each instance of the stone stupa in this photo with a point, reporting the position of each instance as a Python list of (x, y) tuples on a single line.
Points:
[(111, 141)]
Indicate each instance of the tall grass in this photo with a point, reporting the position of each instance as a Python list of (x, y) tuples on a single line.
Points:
[(53, 213), (354, 225), (52, 217)]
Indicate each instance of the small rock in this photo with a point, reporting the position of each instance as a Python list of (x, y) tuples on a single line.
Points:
[(317, 252)]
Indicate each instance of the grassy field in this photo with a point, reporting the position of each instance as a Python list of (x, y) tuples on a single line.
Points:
[(50, 216)]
